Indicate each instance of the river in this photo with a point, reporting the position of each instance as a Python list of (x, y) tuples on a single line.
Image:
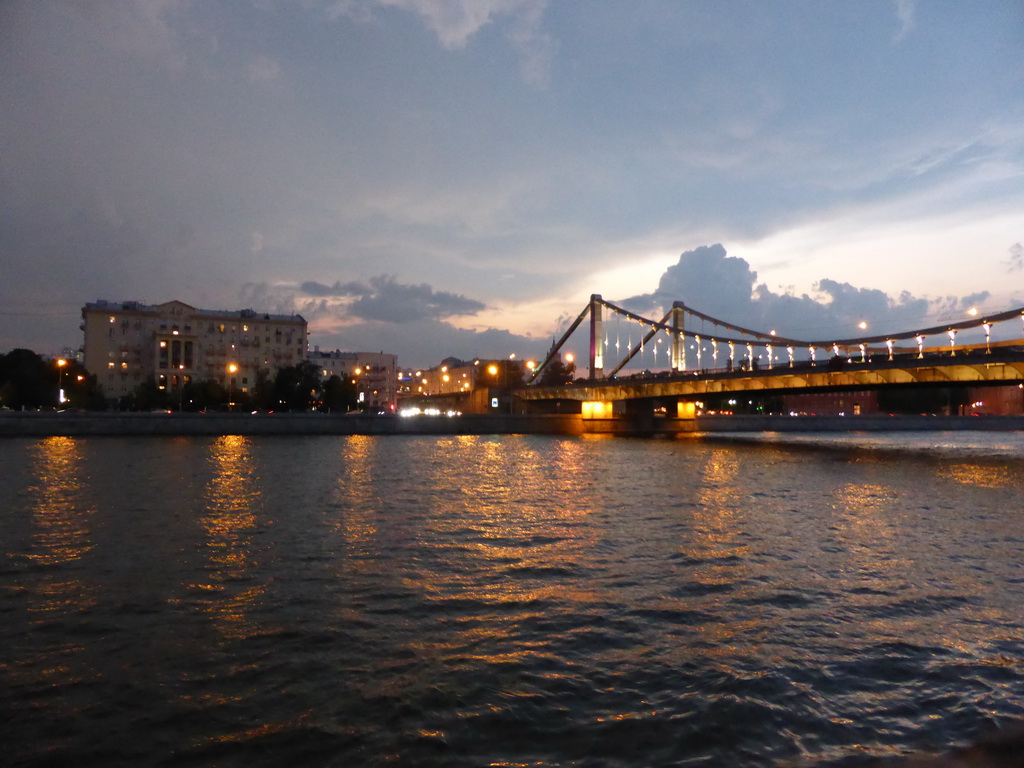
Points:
[(507, 601)]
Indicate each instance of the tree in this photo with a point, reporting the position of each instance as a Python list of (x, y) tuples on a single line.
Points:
[(29, 381), (339, 395), (556, 373), (503, 374), (146, 396), (296, 387), (202, 394)]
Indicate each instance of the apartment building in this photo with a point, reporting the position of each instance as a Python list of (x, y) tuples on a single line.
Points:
[(375, 374), (174, 343)]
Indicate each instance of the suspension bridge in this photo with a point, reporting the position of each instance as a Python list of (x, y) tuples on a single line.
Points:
[(700, 355)]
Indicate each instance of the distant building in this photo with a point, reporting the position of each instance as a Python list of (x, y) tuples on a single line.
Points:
[(174, 343), (481, 386), (375, 374), (452, 376)]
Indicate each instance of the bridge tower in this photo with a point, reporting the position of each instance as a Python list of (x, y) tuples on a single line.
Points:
[(596, 336), (678, 337)]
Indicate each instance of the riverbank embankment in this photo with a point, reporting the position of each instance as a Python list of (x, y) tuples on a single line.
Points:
[(42, 424)]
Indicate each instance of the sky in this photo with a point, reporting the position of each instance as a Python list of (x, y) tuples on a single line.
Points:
[(439, 178)]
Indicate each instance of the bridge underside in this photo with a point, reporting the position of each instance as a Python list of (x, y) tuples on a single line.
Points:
[(981, 369)]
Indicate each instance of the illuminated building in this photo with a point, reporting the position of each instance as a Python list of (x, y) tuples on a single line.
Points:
[(128, 342), (375, 374)]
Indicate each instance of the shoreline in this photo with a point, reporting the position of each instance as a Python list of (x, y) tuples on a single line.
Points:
[(47, 424)]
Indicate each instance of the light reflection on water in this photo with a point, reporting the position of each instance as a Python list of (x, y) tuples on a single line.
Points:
[(59, 503), (474, 600), (229, 521)]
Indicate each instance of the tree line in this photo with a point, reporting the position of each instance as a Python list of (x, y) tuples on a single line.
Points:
[(30, 382)]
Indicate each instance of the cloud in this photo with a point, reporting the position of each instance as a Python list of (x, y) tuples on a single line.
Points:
[(905, 15), (725, 287), (1016, 263), (391, 301), (386, 300), (410, 321), (264, 70), (313, 288), (455, 22)]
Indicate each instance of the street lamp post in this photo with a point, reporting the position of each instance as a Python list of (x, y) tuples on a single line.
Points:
[(60, 381), (232, 370)]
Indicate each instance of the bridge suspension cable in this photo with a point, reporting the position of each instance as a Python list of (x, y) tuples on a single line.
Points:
[(673, 324)]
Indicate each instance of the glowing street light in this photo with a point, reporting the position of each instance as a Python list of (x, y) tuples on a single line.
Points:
[(232, 369), (60, 381)]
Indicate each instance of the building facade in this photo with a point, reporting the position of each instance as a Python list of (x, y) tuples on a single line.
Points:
[(375, 374), (127, 343)]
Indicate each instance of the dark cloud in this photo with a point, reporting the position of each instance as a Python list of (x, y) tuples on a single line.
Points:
[(708, 280), (387, 300), (433, 341), (313, 288), (390, 301), (384, 314)]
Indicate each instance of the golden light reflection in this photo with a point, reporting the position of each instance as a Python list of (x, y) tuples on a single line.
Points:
[(978, 475), (526, 549), (357, 495), (862, 525), (718, 516), (62, 517), (229, 521)]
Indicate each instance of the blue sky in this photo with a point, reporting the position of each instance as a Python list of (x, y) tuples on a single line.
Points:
[(456, 177)]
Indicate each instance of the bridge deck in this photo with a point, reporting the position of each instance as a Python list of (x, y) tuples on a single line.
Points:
[(1003, 365)]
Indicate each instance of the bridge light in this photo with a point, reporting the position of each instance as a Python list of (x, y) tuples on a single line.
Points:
[(952, 341), (789, 351), (863, 353), (811, 351), (920, 346), (889, 343), (988, 331)]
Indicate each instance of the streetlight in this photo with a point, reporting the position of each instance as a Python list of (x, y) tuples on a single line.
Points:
[(61, 362), (232, 369)]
